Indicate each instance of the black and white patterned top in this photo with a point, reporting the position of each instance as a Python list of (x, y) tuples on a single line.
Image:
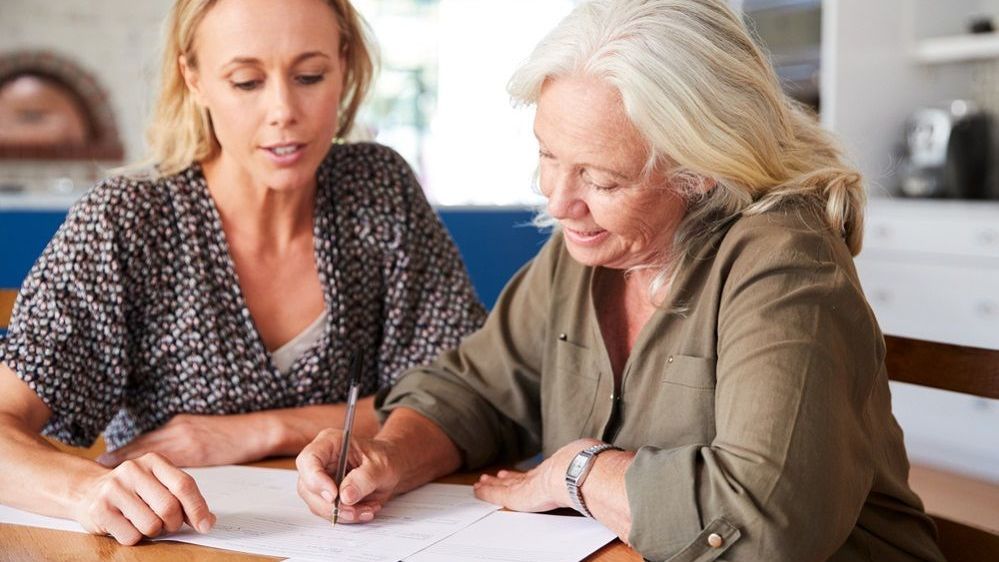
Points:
[(133, 313)]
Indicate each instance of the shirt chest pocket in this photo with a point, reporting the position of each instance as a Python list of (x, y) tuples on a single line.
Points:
[(687, 371), (671, 404)]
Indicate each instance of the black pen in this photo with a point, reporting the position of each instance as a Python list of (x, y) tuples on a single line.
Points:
[(348, 426)]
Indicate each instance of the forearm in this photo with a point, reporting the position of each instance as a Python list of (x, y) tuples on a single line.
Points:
[(605, 494), (422, 451), (287, 431), (36, 476)]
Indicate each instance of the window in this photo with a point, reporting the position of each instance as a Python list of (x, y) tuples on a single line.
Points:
[(440, 98)]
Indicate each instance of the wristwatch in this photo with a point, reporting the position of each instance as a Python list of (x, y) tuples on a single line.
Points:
[(579, 469)]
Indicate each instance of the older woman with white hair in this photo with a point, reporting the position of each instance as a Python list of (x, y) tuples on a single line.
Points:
[(691, 351)]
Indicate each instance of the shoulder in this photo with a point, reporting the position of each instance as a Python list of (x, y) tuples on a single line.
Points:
[(793, 235), (121, 201), (368, 176), (124, 214), (364, 161), (788, 255)]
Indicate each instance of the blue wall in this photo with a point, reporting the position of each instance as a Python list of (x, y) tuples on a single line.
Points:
[(23, 236), (493, 242)]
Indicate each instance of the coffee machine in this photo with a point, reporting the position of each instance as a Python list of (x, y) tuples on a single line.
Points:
[(949, 153)]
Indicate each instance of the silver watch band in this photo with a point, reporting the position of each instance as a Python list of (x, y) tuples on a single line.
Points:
[(574, 479)]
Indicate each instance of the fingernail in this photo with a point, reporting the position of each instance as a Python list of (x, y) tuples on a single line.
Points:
[(348, 494), (327, 495), (106, 459), (367, 516), (204, 526)]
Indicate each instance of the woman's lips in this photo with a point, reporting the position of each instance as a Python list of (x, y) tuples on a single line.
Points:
[(284, 154), (585, 237)]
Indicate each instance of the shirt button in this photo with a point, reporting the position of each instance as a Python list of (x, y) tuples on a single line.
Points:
[(715, 540), (563, 336), (669, 359)]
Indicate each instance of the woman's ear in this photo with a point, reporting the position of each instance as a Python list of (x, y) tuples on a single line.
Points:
[(191, 78)]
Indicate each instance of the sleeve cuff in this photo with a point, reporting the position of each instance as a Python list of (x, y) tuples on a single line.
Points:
[(665, 514), (466, 419)]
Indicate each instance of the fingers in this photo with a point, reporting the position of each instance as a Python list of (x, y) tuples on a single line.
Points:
[(162, 502), (182, 486), (312, 465), (361, 512), (317, 504), (359, 484), (499, 489), (120, 529), (138, 513), (133, 450), (113, 512)]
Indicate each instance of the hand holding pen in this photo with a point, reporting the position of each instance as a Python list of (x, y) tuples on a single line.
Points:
[(355, 493), (348, 427)]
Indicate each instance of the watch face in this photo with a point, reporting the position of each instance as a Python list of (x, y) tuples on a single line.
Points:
[(576, 466)]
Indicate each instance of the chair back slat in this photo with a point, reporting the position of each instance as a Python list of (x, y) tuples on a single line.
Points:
[(964, 543), (968, 370), (7, 297)]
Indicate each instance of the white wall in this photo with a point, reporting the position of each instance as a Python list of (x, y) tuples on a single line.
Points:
[(116, 40)]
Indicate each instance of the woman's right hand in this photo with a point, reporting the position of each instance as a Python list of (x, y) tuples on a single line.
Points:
[(371, 481), (140, 498)]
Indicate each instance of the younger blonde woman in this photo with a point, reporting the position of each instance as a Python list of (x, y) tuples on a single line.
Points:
[(208, 314)]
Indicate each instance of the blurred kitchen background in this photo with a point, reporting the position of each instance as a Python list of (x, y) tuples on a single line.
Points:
[(910, 86)]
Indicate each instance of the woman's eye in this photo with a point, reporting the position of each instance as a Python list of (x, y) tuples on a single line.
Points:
[(598, 185), (307, 79), (544, 154), (246, 85)]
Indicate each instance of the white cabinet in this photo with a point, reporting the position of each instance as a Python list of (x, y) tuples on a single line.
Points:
[(930, 270)]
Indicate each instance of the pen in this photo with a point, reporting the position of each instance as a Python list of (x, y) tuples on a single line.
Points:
[(348, 426)]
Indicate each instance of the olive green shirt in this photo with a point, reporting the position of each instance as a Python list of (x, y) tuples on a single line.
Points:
[(760, 413)]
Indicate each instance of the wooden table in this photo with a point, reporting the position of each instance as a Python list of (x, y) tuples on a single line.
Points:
[(28, 544)]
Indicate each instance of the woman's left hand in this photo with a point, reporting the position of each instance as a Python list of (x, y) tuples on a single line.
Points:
[(540, 489), (190, 440)]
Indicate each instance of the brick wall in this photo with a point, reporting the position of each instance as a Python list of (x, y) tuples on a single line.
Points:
[(118, 41)]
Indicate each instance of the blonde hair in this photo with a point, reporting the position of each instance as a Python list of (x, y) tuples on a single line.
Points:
[(181, 131), (710, 107)]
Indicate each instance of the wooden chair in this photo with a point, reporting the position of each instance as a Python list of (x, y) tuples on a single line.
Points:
[(968, 370), (7, 297)]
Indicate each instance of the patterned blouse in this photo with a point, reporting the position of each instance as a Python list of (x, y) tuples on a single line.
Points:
[(134, 314)]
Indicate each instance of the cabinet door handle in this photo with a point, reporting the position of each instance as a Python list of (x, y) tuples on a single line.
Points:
[(882, 231), (987, 309), (881, 296)]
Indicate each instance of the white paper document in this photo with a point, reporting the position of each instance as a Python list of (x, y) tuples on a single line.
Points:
[(509, 536), (260, 512)]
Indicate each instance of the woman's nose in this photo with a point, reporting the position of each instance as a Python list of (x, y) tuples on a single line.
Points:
[(563, 199), (281, 106)]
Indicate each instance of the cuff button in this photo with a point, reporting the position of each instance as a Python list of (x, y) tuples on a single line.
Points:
[(715, 540)]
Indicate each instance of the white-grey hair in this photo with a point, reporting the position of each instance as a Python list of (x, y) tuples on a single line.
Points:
[(706, 99)]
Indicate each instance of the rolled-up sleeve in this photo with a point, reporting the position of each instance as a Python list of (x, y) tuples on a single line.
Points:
[(69, 339), (798, 351), (485, 394)]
